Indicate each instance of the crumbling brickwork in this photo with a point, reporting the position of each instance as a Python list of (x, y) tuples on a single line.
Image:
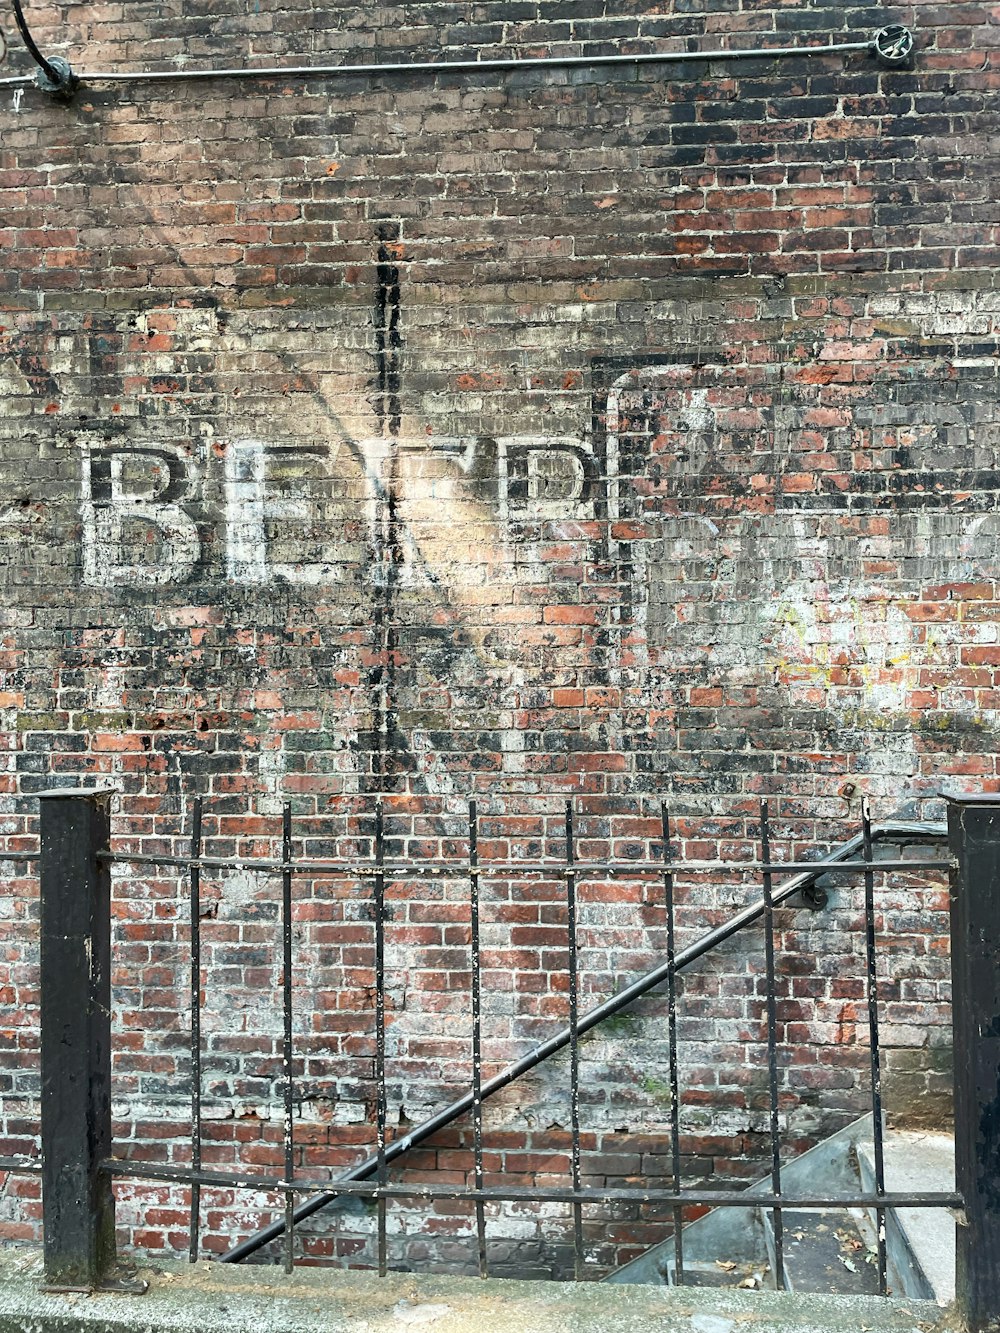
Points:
[(611, 433)]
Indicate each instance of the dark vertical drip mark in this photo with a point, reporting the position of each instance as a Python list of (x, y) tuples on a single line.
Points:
[(388, 337), (388, 747), (389, 342), (382, 288)]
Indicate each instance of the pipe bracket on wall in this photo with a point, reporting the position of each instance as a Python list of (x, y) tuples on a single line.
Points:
[(893, 45), (54, 76), (65, 82)]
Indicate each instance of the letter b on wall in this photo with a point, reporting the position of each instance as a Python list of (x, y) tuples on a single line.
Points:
[(135, 530)]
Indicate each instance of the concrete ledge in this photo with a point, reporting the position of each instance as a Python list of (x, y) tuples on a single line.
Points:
[(212, 1298), (918, 1160)]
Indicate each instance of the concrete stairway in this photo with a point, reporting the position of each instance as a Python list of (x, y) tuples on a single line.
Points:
[(919, 1160), (827, 1250)]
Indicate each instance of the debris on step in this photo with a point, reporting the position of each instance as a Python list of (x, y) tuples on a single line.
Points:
[(826, 1252), (723, 1273)]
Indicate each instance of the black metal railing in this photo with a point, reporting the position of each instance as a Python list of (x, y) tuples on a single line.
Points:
[(75, 861), (803, 882)]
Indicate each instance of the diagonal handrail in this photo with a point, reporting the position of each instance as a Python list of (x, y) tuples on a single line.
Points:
[(894, 830)]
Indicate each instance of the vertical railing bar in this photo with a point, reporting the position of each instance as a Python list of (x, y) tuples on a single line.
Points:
[(772, 1049), (380, 1113), (876, 1059), (287, 1052), (675, 1113), (477, 1033), (574, 1041), (195, 892), (74, 937), (974, 844)]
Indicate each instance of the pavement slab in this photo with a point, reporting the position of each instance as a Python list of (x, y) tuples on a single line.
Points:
[(215, 1298)]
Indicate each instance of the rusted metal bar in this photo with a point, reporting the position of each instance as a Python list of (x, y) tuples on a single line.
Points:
[(380, 1097), (195, 928), (75, 889), (675, 1108), (287, 1049), (974, 836), (772, 1050), (873, 1039), (574, 1042), (393, 871), (699, 1198), (477, 1035)]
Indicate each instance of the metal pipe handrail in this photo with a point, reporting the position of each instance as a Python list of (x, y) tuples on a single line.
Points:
[(902, 831), (892, 45)]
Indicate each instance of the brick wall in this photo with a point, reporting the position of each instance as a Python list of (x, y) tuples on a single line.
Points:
[(611, 434)]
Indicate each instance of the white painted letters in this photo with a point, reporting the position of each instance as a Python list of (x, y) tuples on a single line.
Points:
[(135, 529), (250, 510)]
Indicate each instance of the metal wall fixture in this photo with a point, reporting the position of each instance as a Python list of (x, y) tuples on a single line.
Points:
[(892, 46), (54, 76)]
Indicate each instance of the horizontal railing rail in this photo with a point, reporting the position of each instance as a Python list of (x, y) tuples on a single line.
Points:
[(903, 831), (710, 1198)]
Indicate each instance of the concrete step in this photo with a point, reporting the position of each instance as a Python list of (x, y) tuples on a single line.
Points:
[(824, 1250), (747, 1276), (920, 1243), (919, 1160), (736, 1235), (243, 1298)]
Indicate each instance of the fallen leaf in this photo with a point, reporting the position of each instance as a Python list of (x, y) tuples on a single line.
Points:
[(726, 1265)]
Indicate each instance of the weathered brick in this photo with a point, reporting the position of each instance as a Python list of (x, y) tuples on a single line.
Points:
[(525, 437)]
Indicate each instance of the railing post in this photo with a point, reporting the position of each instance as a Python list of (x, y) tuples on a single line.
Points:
[(974, 840), (77, 1202)]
